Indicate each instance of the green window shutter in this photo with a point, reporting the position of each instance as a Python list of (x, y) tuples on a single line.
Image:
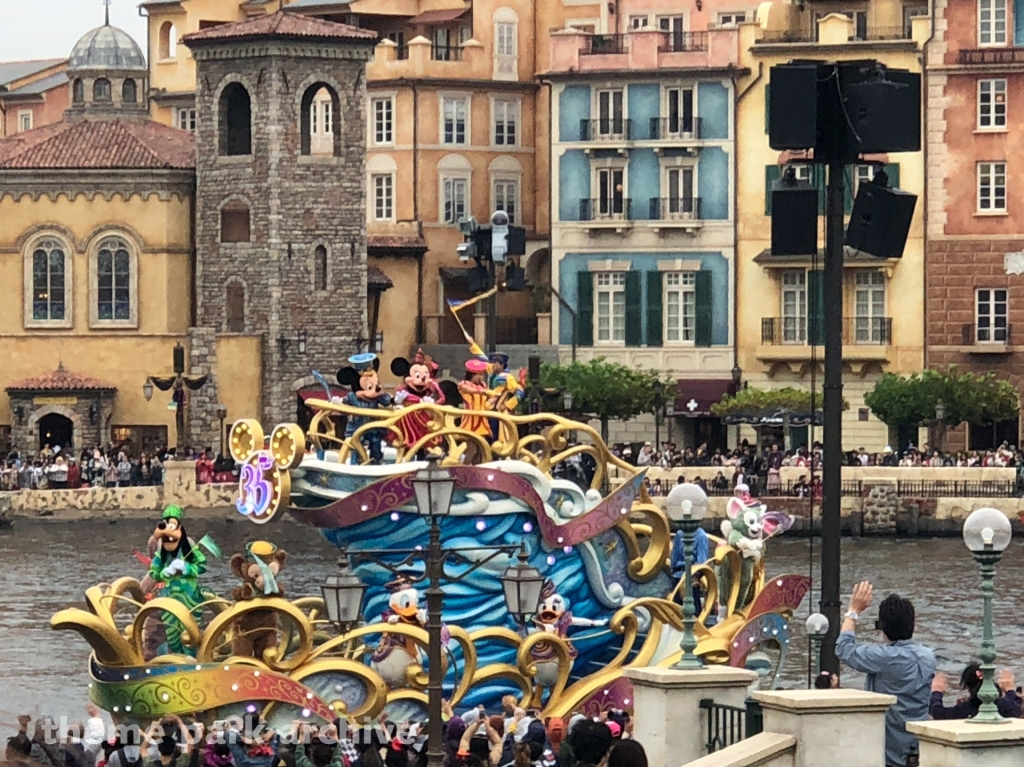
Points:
[(818, 179), (634, 316), (767, 109), (892, 170), (585, 308), (848, 191), (655, 331), (771, 175), (702, 309), (815, 307)]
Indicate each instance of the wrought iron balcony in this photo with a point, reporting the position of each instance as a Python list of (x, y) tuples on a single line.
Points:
[(684, 41), (801, 331), (606, 129), (604, 44), (986, 338), (787, 36), (983, 56), (446, 52), (676, 209), (676, 127), (606, 209), (885, 33)]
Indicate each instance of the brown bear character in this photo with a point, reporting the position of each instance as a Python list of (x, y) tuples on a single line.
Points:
[(256, 631)]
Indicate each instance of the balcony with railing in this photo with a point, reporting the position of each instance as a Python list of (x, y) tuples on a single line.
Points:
[(840, 29), (676, 213), (791, 338), (607, 212), (986, 338), (421, 58), (607, 130), (646, 49), (980, 57), (677, 128)]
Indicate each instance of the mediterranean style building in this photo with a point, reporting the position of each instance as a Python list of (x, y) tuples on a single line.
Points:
[(456, 125), (643, 231), (777, 297), (975, 294), (32, 94), (130, 238)]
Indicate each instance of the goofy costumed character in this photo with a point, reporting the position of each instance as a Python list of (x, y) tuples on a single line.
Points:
[(177, 564)]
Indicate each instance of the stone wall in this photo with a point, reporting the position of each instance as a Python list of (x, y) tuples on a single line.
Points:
[(296, 202), (203, 426)]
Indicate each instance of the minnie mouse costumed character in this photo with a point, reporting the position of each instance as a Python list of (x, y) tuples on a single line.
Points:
[(418, 386)]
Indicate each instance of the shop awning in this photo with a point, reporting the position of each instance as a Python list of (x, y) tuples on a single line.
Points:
[(775, 418), (694, 397), (317, 392), (439, 17)]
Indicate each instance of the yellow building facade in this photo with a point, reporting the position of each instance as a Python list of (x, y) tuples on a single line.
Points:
[(778, 297)]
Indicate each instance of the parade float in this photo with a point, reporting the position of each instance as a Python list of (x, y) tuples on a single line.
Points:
[(164, 645)]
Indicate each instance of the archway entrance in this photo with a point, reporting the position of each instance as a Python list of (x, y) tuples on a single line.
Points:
[(56, 429)]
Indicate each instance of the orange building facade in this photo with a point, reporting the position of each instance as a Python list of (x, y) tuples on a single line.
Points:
[(32, 94), (975, 217)]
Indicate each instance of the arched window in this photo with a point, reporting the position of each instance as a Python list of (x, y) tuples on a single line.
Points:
[(48, 282), (235, 307), (113, 281), (235, 225), (129, 91), (168, 44), (320, 268), (101, 90), (321, 120), (235, 121), (78, 91)]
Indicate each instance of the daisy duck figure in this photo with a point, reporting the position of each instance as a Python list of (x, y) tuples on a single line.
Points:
[(554, 617)]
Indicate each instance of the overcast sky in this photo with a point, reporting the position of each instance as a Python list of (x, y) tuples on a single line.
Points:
[(44, 29)]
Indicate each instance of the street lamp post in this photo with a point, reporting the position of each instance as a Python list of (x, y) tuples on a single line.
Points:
[(222, 414), (178, 383), (940, 425), (987, 533), (817, 627), (521, 585), (659, 405), (690, 516), (567, 400)]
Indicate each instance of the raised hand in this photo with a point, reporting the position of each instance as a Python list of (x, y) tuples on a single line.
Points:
[(861, 599)]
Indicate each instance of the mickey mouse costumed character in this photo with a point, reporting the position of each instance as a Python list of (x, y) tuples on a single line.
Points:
[(418, 387), (366, 392)]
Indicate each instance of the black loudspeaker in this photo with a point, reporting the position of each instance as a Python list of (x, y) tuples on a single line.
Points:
[(886, 113), (880, 221), (794, 219), (793, 106), (479, 279)]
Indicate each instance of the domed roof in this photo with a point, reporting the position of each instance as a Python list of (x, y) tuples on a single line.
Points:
[(107, 47)]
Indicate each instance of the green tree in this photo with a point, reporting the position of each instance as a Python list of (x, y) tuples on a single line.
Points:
[(768, 401), (607, 390)]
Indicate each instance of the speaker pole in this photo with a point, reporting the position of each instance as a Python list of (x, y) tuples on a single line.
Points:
[(832, 469)]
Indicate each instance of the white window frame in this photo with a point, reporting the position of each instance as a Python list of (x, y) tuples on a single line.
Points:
[(989, 34), (22, 114), (683, 209), (794, 324), (187, 119), (666, 96), (386, 132), (505, 181), (868, 311), (995, 110), (679, 289), (94, 283), (506, 45), (608, 166), (321, 124), (383, 207), (506, 110), (69, 282), (639, 22), (993, 332), (455, 100), (454, 179), (862, 174), (989, 173), (611, 133), (612, 286), (731, 19)]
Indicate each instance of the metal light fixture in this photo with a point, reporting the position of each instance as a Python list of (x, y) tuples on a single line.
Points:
[(817, 628), (302, 341), (147, 389), (522, 584), (987, 533), (940, 410), (343, 596), (678, 505), (19, 413), (567, 401), (737, 375), (94, 411), (433, 487), (222, 412)]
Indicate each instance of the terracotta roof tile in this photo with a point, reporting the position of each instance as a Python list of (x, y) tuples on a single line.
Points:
[(101, 144), (394, 241), (376, 279), (61, 380), (281, 24)]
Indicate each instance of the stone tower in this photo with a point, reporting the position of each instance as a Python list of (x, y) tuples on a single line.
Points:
[(280, 204)]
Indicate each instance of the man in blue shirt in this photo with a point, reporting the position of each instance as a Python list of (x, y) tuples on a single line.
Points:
[(901, 667), (678, 561)]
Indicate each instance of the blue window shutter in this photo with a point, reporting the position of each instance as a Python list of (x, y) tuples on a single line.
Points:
[(655, 328), (634, 321), (702, 308), (892, 170), (585, 308)]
